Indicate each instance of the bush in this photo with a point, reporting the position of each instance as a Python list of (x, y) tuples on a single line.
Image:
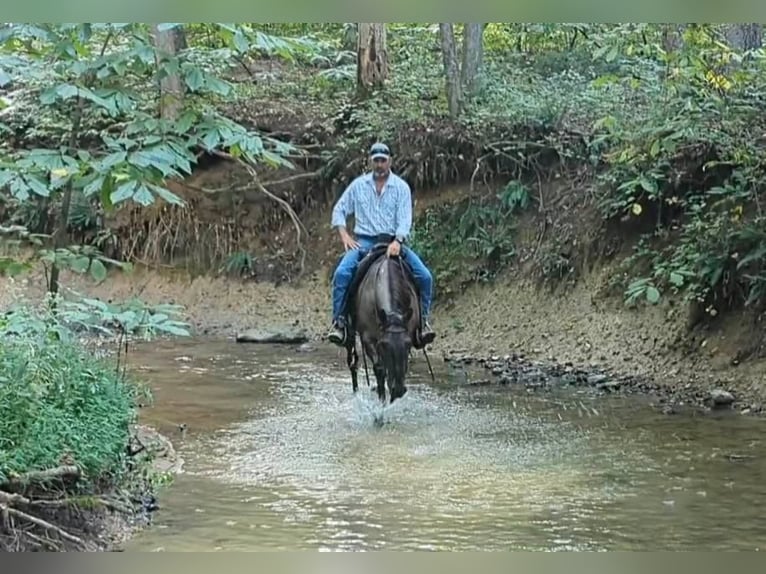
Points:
[(60, 404)]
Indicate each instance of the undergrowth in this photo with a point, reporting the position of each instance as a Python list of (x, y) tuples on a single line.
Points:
[(60, 404), (471, 240), (672, 137)]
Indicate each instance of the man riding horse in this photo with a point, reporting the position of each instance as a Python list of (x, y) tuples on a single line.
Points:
[(381, 203)]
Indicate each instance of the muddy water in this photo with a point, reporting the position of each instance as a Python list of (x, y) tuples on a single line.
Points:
[(280, 456)]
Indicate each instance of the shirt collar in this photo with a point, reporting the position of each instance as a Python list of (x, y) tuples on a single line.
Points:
[(370, 178)]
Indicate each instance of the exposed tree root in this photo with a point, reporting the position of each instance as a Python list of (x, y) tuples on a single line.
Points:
[(18, 519), (299, 227), (45, 525)]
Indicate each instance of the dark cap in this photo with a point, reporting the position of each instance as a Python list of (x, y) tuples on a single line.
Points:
[(379, 150)]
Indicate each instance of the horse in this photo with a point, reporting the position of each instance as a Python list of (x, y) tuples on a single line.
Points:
[(383, 308)]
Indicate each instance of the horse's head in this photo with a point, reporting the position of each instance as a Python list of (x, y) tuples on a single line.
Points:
[(394, 346)]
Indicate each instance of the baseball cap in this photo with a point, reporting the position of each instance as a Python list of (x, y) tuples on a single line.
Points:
[(379, 150)]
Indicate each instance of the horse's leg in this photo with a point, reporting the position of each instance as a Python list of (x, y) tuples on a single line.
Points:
[(380, 376), (377, 367), (352, 360)]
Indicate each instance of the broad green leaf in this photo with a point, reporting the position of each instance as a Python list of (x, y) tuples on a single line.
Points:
[(113, 159), (66, 91), (652, 295), (240, 42), (210, 139), (19, 189), (5, 177), (94, 186), (143, 196), (194, 79), (97, 270), (168, 195), (123, 192), (80, 264), (185, 122), (648, 184), (37, 186), (217, 86)]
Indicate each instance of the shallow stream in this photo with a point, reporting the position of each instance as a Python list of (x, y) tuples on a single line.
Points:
[(279, 455)]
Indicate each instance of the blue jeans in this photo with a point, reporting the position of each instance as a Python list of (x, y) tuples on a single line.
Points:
[(341, 280)]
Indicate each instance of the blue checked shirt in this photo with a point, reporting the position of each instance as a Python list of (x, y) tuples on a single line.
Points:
[(388, 213)]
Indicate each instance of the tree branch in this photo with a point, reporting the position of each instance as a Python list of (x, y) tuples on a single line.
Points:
[(38, 476)]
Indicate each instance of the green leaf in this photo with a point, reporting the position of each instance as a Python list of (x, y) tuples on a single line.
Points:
[(112, 160), (168, 195), (66, 91), (648, 184), (143, 196), (38, 187), (652, 295), (98, 270), (676, 279), (655, 149), (217, 86), (194, 79), (94, 186), (123, 192), (240, 42), (185, 122), (211, 138), (80, 264)]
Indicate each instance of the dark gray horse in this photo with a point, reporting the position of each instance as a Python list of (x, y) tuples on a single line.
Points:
[(385, 311)]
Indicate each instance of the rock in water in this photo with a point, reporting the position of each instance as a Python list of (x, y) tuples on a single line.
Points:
[(280, 335), (721, 398)]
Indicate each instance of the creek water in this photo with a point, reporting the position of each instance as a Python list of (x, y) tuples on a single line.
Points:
[(279, 455)]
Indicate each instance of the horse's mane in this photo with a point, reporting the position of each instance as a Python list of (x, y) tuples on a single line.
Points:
[(401, 297)]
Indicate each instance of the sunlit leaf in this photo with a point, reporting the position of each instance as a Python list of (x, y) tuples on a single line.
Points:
[(123, 192), (652, 295), (143, 196), (194, 79), (97, 270)]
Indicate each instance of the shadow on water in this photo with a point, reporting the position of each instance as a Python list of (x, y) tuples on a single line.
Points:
[(280, 455)]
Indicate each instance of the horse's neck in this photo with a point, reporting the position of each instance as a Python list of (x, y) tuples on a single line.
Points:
[(391, 289)]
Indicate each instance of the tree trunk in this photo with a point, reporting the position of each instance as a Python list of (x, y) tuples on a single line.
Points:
[(472, 56), (451, 69), (371, 57), (166, 43), (743, 37)]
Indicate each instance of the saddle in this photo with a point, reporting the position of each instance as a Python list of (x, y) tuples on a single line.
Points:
[(378, 250)]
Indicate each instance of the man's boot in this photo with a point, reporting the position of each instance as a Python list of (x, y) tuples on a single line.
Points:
[(337, 333), (426, 336)]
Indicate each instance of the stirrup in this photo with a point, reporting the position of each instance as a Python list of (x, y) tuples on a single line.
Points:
[(338, 334)]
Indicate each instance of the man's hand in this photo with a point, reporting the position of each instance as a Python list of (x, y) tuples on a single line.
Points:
[(394, 248), (348, 241)]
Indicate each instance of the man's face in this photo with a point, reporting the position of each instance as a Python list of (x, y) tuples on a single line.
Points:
[(380, 166)]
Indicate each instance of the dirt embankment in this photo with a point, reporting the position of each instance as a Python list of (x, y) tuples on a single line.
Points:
[(232, 260), (570, 325)]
